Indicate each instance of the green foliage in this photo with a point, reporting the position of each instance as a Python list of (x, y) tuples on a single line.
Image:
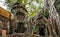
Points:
[(35, 29), (32, 14), (57, 5), (58, 8), (19, 1), (32, 6), (46, 14)]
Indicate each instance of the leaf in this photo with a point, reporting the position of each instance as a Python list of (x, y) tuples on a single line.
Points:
[(46, 14), (35, 29), (58, 6)]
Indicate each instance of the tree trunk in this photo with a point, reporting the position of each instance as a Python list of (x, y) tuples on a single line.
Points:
[(53, 15)]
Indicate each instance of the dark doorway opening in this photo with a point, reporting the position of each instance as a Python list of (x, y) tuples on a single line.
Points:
[(41, 31), (20, 27)]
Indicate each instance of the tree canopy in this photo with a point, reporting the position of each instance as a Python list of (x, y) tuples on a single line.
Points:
[(32, 6)]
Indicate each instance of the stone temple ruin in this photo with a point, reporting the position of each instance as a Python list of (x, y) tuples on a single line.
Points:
[(21, 27), (45, 27), (20, 17)]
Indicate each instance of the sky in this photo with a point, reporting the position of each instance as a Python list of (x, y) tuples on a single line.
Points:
[(2, 4)]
